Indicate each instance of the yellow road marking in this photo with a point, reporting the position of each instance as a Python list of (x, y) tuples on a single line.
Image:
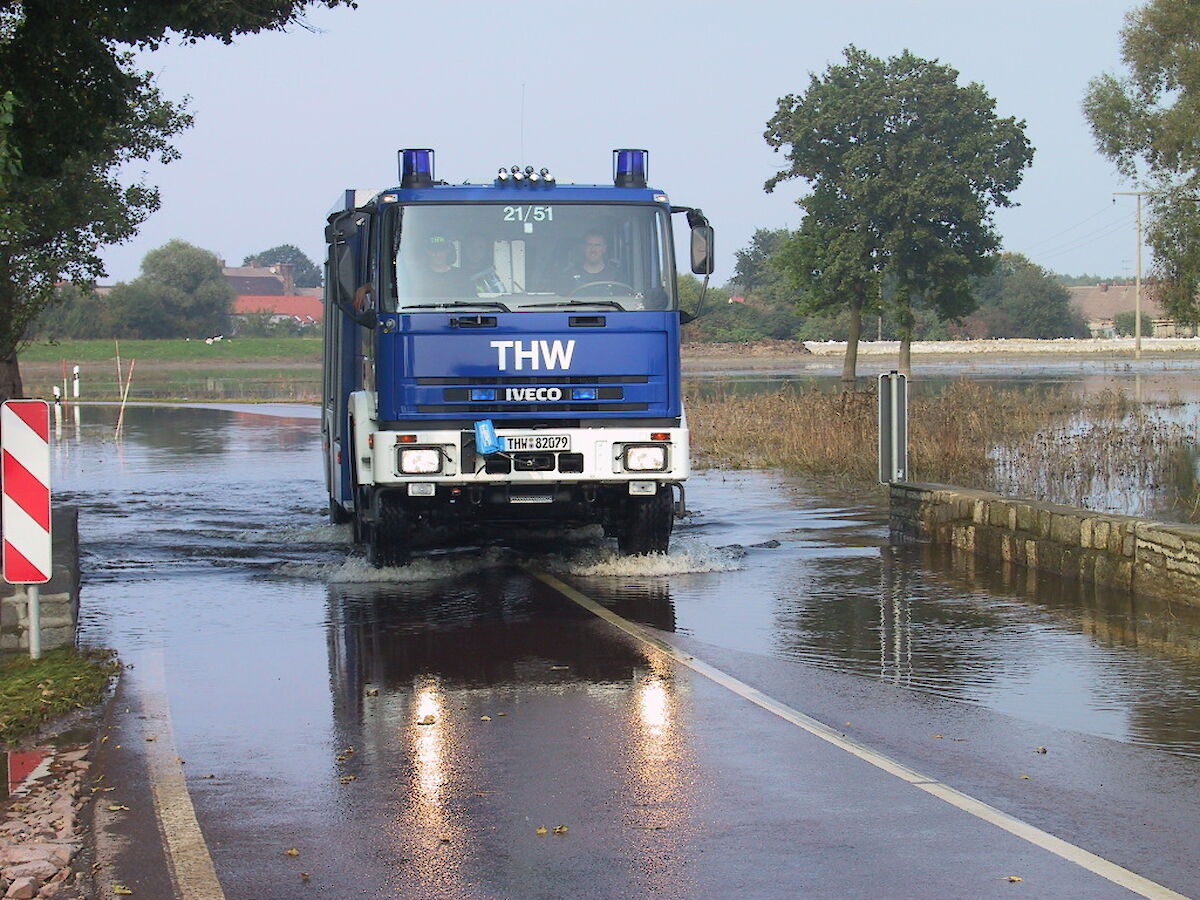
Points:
[(956, 798), (191, 864)]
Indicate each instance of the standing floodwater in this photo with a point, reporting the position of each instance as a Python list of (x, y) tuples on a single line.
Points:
[(204, 536)]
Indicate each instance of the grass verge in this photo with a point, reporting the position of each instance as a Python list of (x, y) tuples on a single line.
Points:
[(35, 692)]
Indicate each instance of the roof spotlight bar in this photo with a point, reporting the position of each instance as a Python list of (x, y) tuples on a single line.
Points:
[(630, 168), (529, 175)]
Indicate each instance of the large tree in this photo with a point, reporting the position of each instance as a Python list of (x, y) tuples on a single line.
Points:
[(906, 167), (833, 267), (180, 293), (10, 160), (304, 271), (754, 268), (54, 225), (1148, 123), (79, 110)]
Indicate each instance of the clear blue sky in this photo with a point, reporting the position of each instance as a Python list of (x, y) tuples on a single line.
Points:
[(285, 121)]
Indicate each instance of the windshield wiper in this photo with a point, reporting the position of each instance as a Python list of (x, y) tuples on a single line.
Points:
[(490, 304), (580, 301)]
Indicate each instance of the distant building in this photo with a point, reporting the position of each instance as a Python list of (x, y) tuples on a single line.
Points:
[(303, 309), (260, 280), (272, 291), (1100, 304)]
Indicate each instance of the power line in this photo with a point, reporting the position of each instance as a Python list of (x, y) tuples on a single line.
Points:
[(1051, 237), (1084, 239)]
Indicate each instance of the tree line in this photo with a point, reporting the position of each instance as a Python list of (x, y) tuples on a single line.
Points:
[(1015, 299), (182, 292)]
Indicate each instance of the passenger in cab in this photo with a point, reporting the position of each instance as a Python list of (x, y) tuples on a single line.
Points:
[(479, 261)]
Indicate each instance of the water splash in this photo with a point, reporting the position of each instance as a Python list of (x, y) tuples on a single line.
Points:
[(323, 533), (685, 557), (356, 570)]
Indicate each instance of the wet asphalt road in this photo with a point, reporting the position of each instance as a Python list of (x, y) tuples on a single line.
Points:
[(292, 682)]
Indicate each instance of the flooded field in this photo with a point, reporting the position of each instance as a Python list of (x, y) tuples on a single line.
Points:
[(1143, 460), (1113, 437)]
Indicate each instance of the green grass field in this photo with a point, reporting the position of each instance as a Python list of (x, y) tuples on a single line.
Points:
[(177, 350)]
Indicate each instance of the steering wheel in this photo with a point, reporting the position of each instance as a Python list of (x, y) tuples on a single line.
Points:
[(592, 284)]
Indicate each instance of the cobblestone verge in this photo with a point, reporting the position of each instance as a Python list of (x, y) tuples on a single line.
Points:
[(41, 834)]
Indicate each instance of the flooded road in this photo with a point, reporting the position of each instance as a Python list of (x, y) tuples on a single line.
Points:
[(409, 732)]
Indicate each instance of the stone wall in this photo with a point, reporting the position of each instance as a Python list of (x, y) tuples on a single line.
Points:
[(1153, 558), (59, 596)]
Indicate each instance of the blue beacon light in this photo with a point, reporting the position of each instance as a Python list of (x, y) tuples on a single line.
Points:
[(416, 168), (629, 167)]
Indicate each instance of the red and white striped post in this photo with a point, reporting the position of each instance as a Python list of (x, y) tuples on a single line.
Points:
[(25, 478)]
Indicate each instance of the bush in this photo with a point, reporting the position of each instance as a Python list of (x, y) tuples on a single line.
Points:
[(1124, 324)]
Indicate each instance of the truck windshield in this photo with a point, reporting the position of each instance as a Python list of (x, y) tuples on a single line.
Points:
[(530, 256)]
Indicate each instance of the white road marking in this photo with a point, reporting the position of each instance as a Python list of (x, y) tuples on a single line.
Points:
[(191, 864), (956, 798)]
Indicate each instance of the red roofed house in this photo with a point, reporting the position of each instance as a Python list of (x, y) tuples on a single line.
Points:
[(270, 291), (303, 309)]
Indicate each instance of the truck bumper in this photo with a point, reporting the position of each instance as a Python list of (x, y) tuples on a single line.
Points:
[(634, 457)]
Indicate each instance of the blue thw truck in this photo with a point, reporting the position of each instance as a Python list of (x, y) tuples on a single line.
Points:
[(505, 355)]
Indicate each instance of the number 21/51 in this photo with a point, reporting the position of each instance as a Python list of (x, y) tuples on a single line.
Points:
[(529, 214)]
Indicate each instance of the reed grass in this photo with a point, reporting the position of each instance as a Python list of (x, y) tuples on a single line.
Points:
[(1103, 452), (824, 432)]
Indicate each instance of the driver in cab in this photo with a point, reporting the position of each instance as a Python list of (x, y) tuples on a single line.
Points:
[(594, 268), (437, 276)]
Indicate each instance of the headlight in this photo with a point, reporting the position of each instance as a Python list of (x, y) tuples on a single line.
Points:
[(420, 461), (646, 458)]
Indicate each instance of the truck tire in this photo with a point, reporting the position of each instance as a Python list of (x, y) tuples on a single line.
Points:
[(647, 524), (388, 540)]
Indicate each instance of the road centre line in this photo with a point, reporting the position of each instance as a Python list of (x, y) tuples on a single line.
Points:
[(956, 798), (191, 865)]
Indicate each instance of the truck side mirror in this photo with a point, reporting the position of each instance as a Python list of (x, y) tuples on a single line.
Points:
[(345, 279), (344, 271), (703, 258)]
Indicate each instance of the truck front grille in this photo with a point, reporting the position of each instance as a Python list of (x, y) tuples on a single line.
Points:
[(499, 464), (533, 379), (471, 409)]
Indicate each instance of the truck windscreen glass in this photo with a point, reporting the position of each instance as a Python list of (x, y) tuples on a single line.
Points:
[(529, 256)]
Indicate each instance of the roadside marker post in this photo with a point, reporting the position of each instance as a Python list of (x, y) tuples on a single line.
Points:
[(893, 428), (25, 512)]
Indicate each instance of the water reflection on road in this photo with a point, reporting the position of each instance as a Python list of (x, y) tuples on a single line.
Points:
[(203, 535), (481, 700)]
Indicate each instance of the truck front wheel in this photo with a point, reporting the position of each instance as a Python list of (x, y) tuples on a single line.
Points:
[(646, 525)]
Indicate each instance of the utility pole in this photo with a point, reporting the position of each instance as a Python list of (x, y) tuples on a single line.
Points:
[(1137, 295)]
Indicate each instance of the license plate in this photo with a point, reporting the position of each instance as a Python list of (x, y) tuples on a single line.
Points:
[(520, 442)]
